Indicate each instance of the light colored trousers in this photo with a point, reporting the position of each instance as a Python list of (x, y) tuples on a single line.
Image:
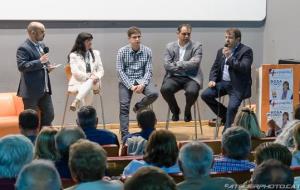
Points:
[(84, 91)]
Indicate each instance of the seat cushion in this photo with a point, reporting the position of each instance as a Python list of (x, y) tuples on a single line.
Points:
[(7, 105)]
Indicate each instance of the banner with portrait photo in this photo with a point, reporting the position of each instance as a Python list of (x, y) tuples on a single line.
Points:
[(281, 95)]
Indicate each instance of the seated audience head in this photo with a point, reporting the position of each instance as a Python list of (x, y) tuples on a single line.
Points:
[(195, 159), (148, 178), (39, 174), (270, 150), (297, 112), (161, 149), (45, 144), (87, 117), (236, 143), (146, 119), (296, 134), (15, 152), (28, 122), (272, 175), (66, 137), (87, 161)]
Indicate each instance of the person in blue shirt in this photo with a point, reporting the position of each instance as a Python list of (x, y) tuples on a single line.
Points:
[(87, 120), (146, 120)]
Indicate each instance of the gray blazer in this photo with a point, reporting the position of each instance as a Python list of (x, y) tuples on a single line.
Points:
[(32, 81), (190, 65)]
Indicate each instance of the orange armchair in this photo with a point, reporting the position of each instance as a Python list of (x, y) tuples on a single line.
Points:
[(10, 107)]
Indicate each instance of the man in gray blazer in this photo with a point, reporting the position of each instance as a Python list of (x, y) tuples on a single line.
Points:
[(182, 63), (33, 64)]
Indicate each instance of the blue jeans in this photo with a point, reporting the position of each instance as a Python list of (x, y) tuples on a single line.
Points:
[(222, 88), (125, 94)]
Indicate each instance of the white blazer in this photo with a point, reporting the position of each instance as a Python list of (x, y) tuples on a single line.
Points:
[(78, 70)]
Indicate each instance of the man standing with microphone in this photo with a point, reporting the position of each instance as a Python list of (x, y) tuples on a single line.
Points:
[(33, 64), (230, 74)]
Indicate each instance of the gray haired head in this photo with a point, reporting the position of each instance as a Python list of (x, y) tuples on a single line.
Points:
[(236, 143), (15, 152), (195, 159), (39, 174)]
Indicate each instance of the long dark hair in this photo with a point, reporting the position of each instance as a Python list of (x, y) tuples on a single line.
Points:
[(79, 45)]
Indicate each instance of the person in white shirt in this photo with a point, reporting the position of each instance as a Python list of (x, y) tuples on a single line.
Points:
[(86, 69)]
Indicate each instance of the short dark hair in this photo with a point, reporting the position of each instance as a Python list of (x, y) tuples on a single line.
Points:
[(272, 173), (236, 32), (87, 117), (270, 150), (146, 119), (150, 177), (133, 30), (87, 161), (29, 120), (236, 143), (188, 26), (161, 149)]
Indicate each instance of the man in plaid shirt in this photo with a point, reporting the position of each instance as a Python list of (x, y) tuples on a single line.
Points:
[(134, 68)]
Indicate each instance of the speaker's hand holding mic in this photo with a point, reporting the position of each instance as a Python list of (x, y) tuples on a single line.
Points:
[(226, 51), (211, 84), (44, 59)]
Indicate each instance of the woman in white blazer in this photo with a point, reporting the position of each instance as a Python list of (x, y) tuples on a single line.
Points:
[(86, 69)]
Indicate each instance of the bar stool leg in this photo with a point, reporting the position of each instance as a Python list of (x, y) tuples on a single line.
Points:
[(195, 121), (168, 119), (199, 117), (102, 111), (65, 110)]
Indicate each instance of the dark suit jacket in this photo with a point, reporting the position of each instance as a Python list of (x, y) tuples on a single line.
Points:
[(190, 65), (239, 70), (32, 81)]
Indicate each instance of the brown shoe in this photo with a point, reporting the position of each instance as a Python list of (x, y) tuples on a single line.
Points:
[(75, 105)]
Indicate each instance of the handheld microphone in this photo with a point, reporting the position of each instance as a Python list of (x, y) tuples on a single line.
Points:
[(225, 45), (46, 50)]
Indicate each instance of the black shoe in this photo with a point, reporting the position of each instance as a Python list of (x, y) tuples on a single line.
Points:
[(175, 117), (135, 109), (187, 117)]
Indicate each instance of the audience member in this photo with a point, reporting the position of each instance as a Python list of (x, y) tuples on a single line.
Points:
[(296, 153), (270, 150), (15, 152), (161, 151), (150, 178), (136, 142), (87, 120), (272, 175), (87, 162), (195, 161), (246, 119), (39, 175), (236, 146), (29, 124), (45, 145), (63, 140)]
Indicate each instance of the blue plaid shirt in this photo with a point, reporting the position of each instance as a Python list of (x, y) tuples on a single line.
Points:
[(134, 66), (224, 164)]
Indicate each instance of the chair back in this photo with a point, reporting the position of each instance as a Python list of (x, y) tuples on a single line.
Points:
[(68, 72)]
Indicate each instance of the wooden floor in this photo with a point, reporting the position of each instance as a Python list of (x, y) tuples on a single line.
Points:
[(182, 130)]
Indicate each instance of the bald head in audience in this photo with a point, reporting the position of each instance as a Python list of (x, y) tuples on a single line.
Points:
[(38, 175)]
